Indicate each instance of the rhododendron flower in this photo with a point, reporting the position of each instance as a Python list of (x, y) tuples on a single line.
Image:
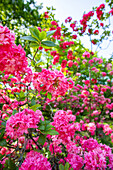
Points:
[(74, 36), (103, 74), (109, 66), (91, 127), (93, 41), (95, 159), (39, 29), (6, 37), (86, 54), (94, 81), (64, 125), (111, 114), (101, 24), (78, 74), (111, 12), (75, 161), (89, 144), (106, 129), (19, 123), (53, 82), (96, 32), (54, 23), (70, 63), (95, 69), (87, 82), (64, 63), (68, 19), (12, 57), (35, 161), (46, 15), (111, 137)]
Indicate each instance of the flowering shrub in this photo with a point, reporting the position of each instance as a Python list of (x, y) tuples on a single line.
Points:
[(56, 105)]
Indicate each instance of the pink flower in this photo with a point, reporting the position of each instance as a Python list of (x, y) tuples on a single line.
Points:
[(64, 63), (64, 125), (111, 114), (86, 54), (91, 127), (96, 32), (103, 74), (75, 161), (53, 82), (19, 123), (106, 129), (70, 63), (6, 37), (35, 161), (12, 57)]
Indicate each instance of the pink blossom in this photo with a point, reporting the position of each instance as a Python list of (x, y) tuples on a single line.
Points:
[(35, 160), (86, 54), (53, 82), (103, 74), (19, 123), (91, 127), (63, 126)]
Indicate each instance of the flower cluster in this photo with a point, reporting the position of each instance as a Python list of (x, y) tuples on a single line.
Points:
[(19, 123), (35, 160), (99, 11), (91, 155), (12, 57), (64, 125), (53, 82), (6, 37), (84, 20)]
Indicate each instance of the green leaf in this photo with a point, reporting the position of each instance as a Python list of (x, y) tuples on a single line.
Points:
[(2, 130), (3, 142), (38, 69), (1, 165), (10, 165), (34, 32), (1, 156), (41, 127), (67, 166), (14, 111), (42, 35), (49, 95), (29, 38), (51, 132), (35, 45), (43, 92), (48, 127), (50, 33), (33, 102), (35, 107), (1, 105), (48, 43), (42, 139), (3, 124), (61, 167)]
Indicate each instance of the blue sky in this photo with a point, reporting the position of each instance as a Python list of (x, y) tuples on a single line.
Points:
[(75, 9)]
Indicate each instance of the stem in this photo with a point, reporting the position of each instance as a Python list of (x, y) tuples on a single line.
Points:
[(35, 54), (30, 135)]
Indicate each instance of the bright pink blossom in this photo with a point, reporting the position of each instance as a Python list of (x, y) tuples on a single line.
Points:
[(35, 161), (19, 123)]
